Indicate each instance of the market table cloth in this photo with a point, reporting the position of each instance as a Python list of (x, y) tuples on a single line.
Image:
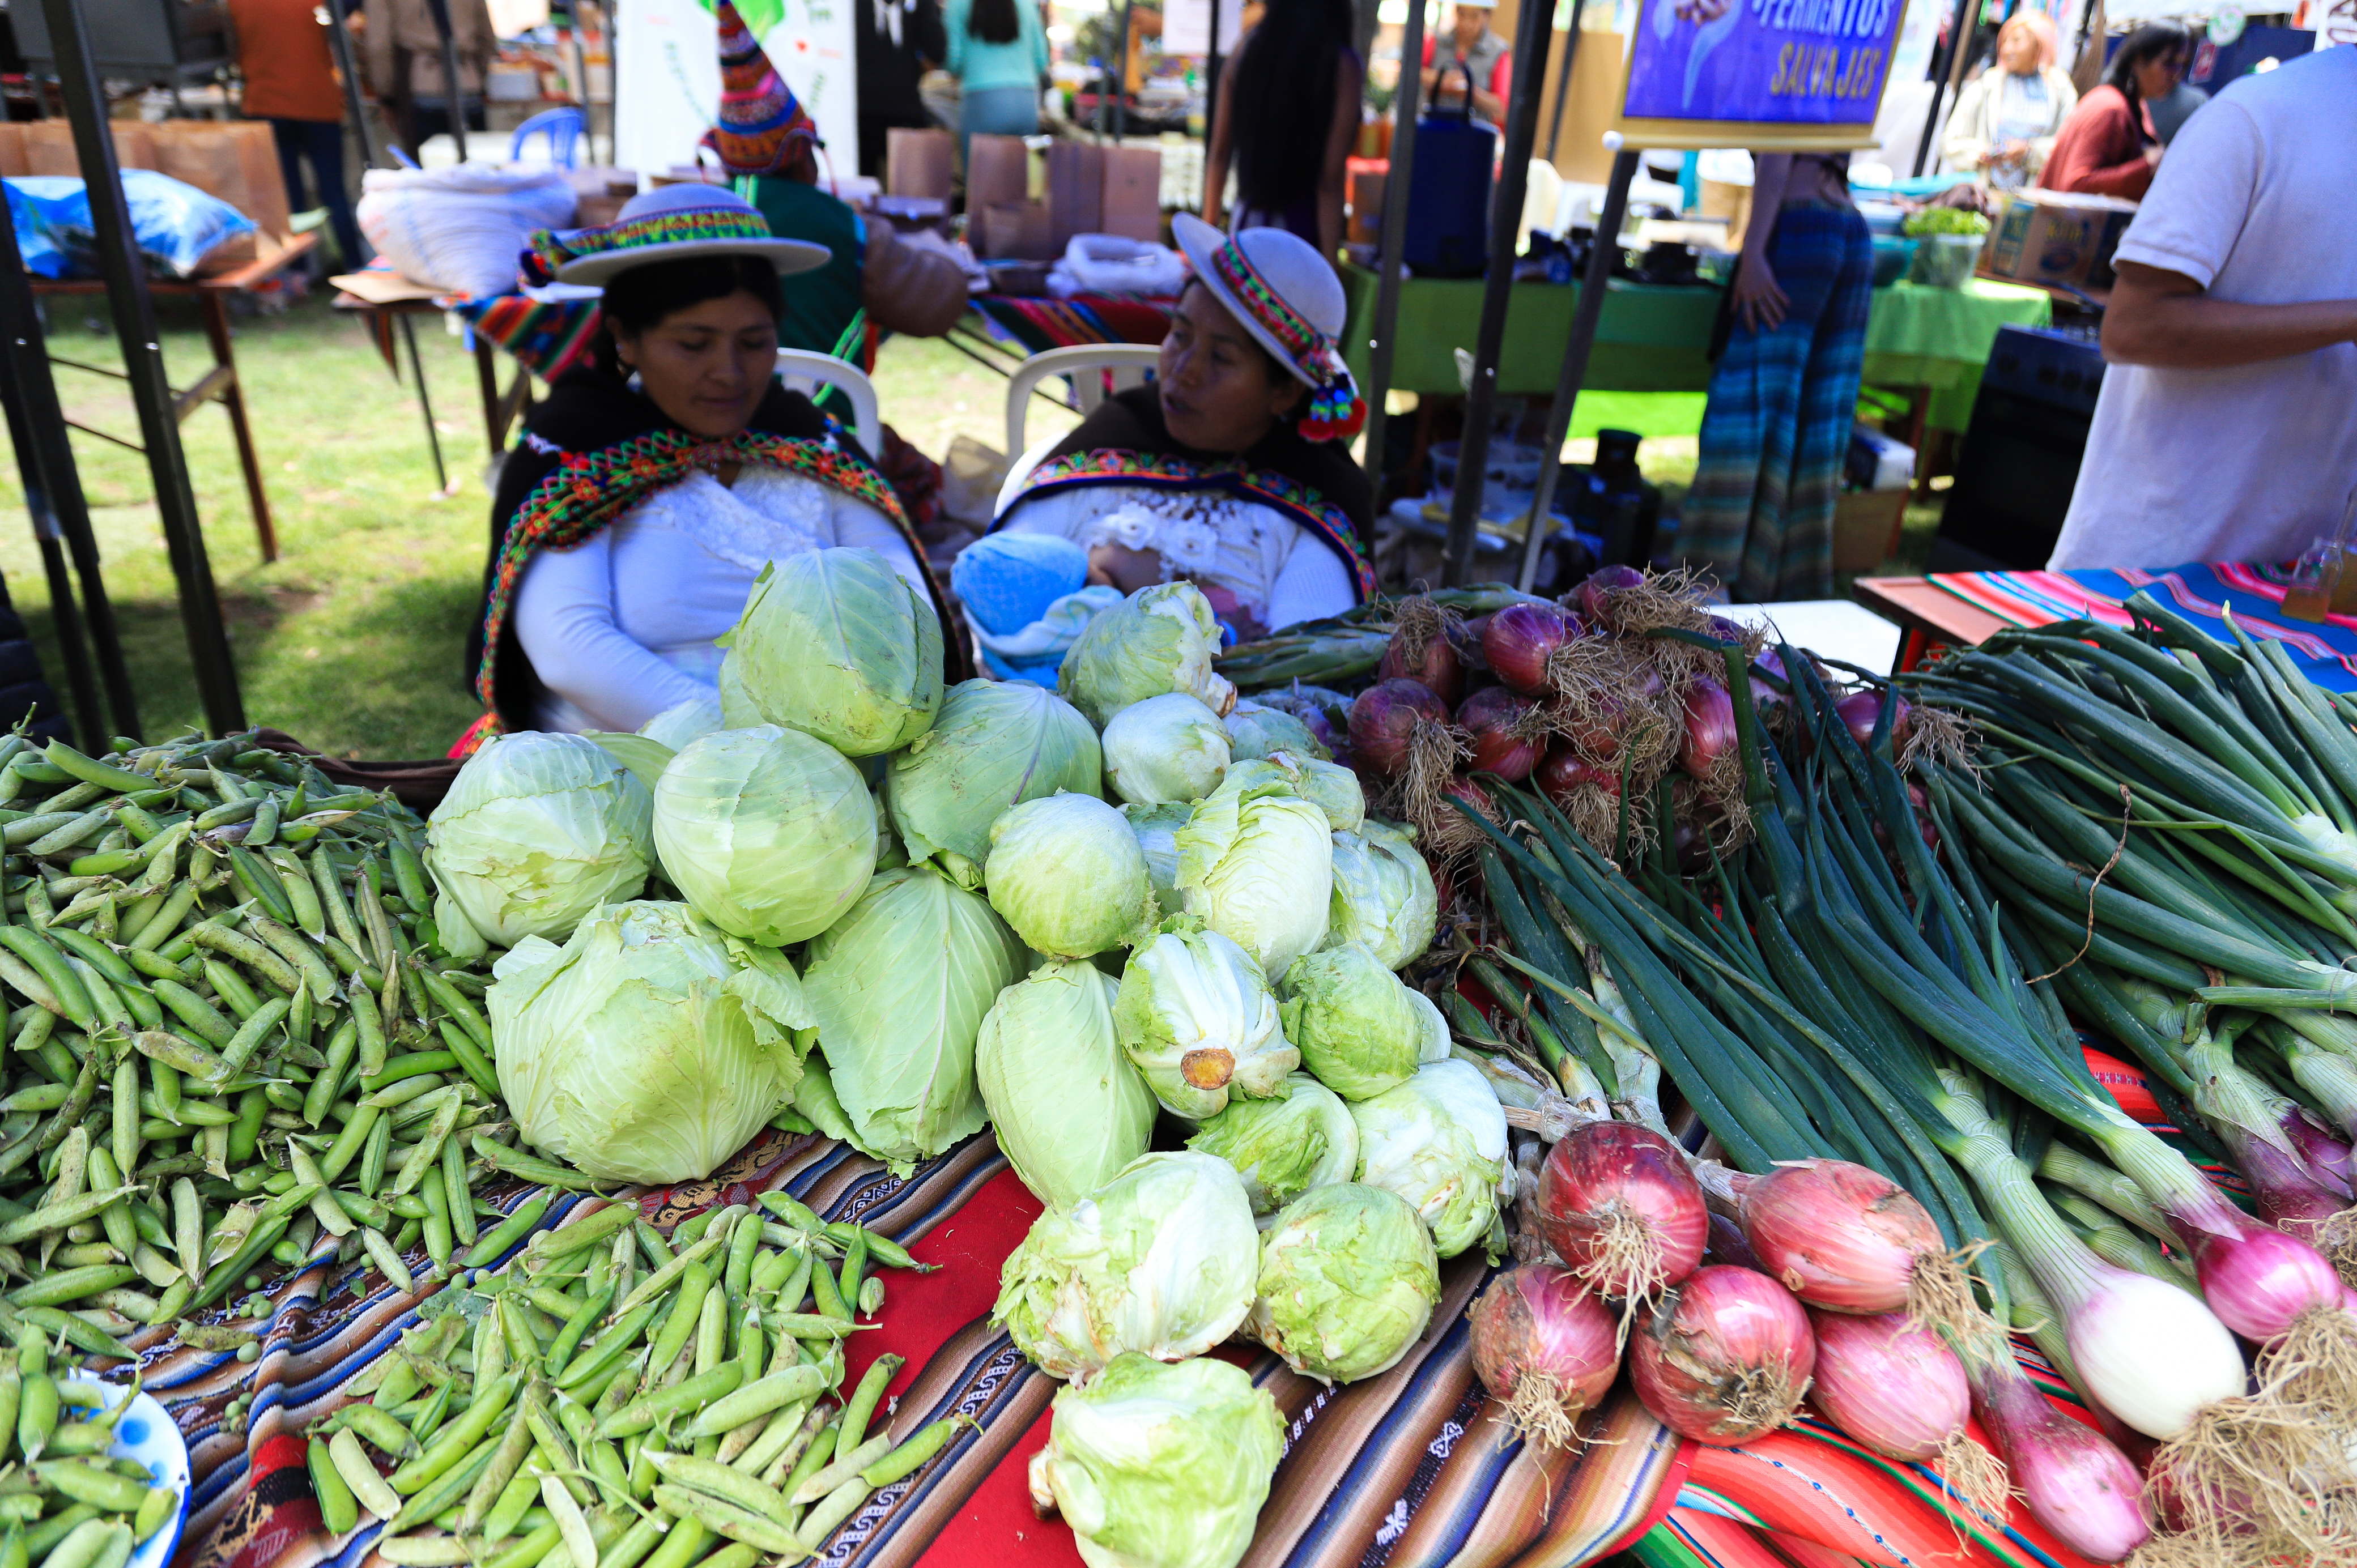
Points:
[(2326, 650), (1038, 324), (1407, 1470), (1917, 335)]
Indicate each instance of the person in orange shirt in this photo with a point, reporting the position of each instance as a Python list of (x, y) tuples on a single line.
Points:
[(290, 80)]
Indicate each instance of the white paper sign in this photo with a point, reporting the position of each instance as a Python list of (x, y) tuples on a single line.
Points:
[(1187, 27), (667, 78)]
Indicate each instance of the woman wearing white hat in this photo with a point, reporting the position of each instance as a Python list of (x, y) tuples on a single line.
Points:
[(1229, 469), (653, 486)]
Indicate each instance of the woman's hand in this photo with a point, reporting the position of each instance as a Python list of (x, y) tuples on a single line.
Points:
[(1760, 305), (1118, 566)]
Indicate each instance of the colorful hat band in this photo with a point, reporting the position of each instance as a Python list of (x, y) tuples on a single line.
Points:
[(550, 250), (1336, 411)]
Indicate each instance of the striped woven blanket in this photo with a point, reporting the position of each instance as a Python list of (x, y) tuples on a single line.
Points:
[(1040, 324), (1406, 1470), (2326, 650)]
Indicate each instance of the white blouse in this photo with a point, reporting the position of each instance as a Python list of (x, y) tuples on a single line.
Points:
[(1277, 572), (620, 626)]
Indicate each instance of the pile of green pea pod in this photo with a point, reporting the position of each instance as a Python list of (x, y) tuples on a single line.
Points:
[(63, 1502), (615, 1398), (231, 1027)]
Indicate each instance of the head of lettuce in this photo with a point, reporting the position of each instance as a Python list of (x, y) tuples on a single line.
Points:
[(649, 1047)]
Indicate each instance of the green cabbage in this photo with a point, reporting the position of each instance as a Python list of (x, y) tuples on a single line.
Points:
[(1383, 894), (1161, 639), (1160, 1466), (1069, 1109), (1353, 1022), (1300, 1138), (1258, 730), (537, 831), (1333, 789), (836, 643), (1195, 1015), (1438, 1140), (683, 722), (767, 832), (737, 708), (1066, 872), (1256, 863), (1348, 1280), (1437, 1044), (1156, 827), (900, 987), (1162, 1260), (995, 744), (1165, 748), (649, 1047), (645, 759), (816, 1101)]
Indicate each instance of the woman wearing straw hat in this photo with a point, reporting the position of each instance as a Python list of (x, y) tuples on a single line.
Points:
[(653, 486), (1229, 469)]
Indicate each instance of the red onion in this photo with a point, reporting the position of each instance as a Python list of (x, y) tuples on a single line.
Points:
[(1898, 1390), (1491, 717), (1519, 640), (1618, 1204), (1861, 710), (1561, 774), (1725, 629), (1595, 729), (1465, 638), (1595, 594), (2259, 1280), (1839, 1236), (1726, 1359), (1730, 1245), (1547, 1346), (1384, 716), (2073, 1479), (2290, 1193), (1710, 732), (2327, 1157), (1419, 651)]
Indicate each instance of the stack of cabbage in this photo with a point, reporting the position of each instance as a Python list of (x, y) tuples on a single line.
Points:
[(902, 911)]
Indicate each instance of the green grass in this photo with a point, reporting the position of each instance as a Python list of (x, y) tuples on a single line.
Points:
[(352, 641)]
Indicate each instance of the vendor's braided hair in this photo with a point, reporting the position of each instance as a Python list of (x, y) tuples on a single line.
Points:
[(1284, 101), (644, 296)]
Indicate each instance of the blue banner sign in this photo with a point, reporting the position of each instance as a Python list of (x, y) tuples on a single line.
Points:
[(1807, 67)]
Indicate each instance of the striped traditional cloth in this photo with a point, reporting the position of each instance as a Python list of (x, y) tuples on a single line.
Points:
[(2326, 650), (546, 336), (1410, 1469), (1040, 324)]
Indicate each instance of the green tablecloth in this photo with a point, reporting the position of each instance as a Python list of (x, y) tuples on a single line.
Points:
[(1655, 338), (1651, 338), (1940, 339)]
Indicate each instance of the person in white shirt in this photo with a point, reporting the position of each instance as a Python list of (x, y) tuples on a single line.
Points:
[(653, 486), (2227, 425)]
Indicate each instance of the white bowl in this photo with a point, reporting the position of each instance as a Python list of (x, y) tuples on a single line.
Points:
[(148, 1433)]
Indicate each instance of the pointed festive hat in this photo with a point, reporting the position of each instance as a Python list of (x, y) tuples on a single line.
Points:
[(762, 123)]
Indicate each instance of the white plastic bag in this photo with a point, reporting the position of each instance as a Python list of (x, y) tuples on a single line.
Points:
[(460, 228), (1107, 263)]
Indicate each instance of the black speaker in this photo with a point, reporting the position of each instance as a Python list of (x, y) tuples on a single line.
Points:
[(2020, 456), (144, 40)]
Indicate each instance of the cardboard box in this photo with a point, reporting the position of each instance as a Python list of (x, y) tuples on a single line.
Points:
[(2055, 237), (1075, 191), (997, 171), (1364, 199), (1131, 202), (1018, 232), (1867, 525), (919, 163)]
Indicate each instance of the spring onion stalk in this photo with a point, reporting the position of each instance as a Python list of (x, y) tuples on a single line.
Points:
[(2151, 1352), (2319, 1052)]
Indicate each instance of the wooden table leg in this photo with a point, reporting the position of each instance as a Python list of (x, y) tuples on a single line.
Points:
[(213, 306), (425, 404)]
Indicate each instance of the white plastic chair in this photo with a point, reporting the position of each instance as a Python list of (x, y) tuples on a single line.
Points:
[(805, 371), (1086, 364)]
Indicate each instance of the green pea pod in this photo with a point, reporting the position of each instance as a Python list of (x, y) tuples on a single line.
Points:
[(689, 1395), (421, 1156), (464, 1232), (36, 1413), (508, 1232), (409, 874), (471, 1057), (352, 1463), (827, 1516), (249, 1038), (543, 1171), (294, 950), (562, 1349), (507, 1459), (84, 1545), (757, 1399), (515, 1499), (218, 937), (339, 1511), (609, 1351), (374, 1152), (50, 966), (863, 1399), (462, 1435), (259, 883), (681, 1548), (44, 1537), (96, 954), (258, 1242), (90, 770), (165, 923)]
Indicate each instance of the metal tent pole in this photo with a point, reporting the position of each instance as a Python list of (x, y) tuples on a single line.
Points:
[(1563, 81), (1532, 35), (1121, 71), (1585, 316), (453, 88), (339, 39), (1388, 267), (1212, 110), (36, 427), (1960, 33), (134, 310)]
